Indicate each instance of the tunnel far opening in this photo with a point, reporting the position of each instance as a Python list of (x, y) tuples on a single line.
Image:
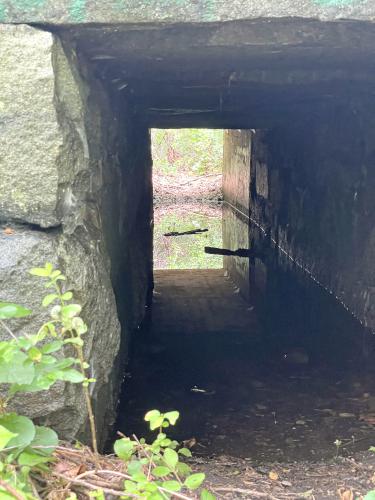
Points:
[(187, 186)]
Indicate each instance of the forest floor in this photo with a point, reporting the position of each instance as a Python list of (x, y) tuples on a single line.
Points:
[(184, 188), (80, 472), (342, 478)]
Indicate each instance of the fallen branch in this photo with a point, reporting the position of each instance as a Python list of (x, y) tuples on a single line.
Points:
[(192, 231), (117, 493)]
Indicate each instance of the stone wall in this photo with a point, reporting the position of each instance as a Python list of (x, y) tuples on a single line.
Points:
[(311, 211), (73, 165), (175, 11), (314, 197)]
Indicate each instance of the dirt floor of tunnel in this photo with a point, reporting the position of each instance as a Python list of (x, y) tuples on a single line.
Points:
[(202, 353)]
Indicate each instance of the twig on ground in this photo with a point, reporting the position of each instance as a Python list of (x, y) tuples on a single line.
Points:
[(9, 488), (117, 493)]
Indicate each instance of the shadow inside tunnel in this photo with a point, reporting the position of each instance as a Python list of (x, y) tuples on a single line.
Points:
[(278, 380)]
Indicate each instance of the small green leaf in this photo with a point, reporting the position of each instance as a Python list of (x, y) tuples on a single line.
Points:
[(99, 494), (151, 415), (170, 458), (139, 477), (34, 354), (194, 481), (183, 469), (206, 495), (74, 340), (372, 449), (156, 422), (48, 299), (40, 271), (45, 440), (26, 343), (153, 496), (67, 296), (134, 467), (79, 326), (55, 312), (52, 329), (172, 485), (49, 267), (185, 452), (71, 375), (60, 278), (54, 346), (172, 416), (65, 362), (151, 488), (32, 459), (16, 369), (71, 310), (8, 310), (161, 471), (7, 348), (5, 436), (130, 486), (124, 448), (22, 427)]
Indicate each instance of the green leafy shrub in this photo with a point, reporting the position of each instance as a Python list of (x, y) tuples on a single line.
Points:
[(155, 470), (33, 363)]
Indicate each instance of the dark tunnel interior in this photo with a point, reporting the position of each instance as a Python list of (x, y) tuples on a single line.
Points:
[(272, 355)]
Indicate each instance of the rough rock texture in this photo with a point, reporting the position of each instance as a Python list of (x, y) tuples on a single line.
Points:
[(45, 162), (62, 406), (174, 11), (27, 111), (79, 186)]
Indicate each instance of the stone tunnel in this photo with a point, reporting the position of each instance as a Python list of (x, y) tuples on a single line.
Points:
[(81, 85)]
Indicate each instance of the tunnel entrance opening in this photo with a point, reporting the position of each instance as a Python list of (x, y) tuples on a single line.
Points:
[(271, 367)]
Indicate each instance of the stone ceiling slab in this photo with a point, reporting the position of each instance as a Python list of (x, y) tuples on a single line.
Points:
[(175, 11)]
